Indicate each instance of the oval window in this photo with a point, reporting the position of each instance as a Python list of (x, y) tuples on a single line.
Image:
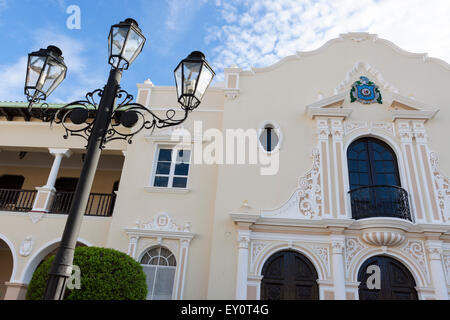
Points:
[(269, 138)]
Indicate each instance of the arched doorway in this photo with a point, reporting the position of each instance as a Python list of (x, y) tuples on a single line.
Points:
[(42, 255), (396, 282), (6, 266), (288, 275)]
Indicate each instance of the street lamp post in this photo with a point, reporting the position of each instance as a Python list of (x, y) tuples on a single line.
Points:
[(46, 70)]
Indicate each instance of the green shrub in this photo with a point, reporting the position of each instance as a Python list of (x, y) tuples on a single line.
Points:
[(106, 274)]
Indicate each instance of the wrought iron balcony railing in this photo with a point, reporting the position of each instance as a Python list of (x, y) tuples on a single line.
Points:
[(380, 201), (99, 204), (17, 200)]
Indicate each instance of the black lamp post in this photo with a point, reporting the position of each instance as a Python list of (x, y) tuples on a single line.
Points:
[(46, 70)]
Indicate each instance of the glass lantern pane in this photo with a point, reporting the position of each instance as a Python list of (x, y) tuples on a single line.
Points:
[(178, 80), (35, 66), (118, 40), (203, 83), (54, 75), (191, 73), (133, 46)]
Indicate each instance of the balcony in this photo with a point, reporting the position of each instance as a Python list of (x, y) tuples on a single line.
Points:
[(380, 201), (99, 204), (17, 200)]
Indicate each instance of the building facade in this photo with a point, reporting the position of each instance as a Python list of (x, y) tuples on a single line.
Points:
[(340, 190)]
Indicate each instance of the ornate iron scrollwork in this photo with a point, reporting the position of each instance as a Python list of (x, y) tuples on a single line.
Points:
[(380, 201), (127, 119)]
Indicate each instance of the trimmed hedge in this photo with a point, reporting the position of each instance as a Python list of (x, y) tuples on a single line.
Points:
[(106, 274)]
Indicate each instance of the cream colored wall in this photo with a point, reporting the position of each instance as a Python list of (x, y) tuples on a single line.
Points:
[(281, 93), (196, 207)]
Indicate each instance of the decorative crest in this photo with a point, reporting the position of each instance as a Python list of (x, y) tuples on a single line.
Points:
[(365, 91)]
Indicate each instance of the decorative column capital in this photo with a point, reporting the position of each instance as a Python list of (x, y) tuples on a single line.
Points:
[(337, 244), (134, 239), (337, 247), (337, 129), (185, 243), (323, 129), (434, 249), (64, 152), (420, 132), (405, 131)]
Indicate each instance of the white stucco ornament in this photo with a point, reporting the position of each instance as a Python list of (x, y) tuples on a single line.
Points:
[(26, 246), (163, 222)]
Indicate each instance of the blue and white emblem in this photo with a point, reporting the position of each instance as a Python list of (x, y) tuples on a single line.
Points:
[(365, 91)]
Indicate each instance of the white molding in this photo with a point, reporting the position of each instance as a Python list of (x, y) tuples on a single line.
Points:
[(167, 190), (413, 103), (322, 103), (40, 254), (413, 114), (329, 112), (164, 227), (344, 86), (357, 37)]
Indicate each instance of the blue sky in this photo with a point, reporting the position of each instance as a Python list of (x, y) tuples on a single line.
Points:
[(243, 32)]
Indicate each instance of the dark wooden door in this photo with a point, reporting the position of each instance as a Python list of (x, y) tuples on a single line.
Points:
[(396, 283), (288, 275)]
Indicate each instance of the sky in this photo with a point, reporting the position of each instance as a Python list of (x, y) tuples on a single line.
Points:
[(242, 32)]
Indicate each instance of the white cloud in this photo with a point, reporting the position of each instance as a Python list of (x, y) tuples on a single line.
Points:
[(260, 32), (13, 80), (80, 77), (181, 12)]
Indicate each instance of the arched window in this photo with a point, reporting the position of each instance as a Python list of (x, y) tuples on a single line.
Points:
[(372, 162), (269, 137), (374, 181), (159, 265)]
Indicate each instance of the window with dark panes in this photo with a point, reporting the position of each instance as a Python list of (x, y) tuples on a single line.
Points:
[(172, 168), (372, 162)]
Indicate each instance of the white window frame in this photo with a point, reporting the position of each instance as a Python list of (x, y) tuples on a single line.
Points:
[(171, 174), (158, 266)]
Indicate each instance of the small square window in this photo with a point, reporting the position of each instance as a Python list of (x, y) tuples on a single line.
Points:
[(172, 168)]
